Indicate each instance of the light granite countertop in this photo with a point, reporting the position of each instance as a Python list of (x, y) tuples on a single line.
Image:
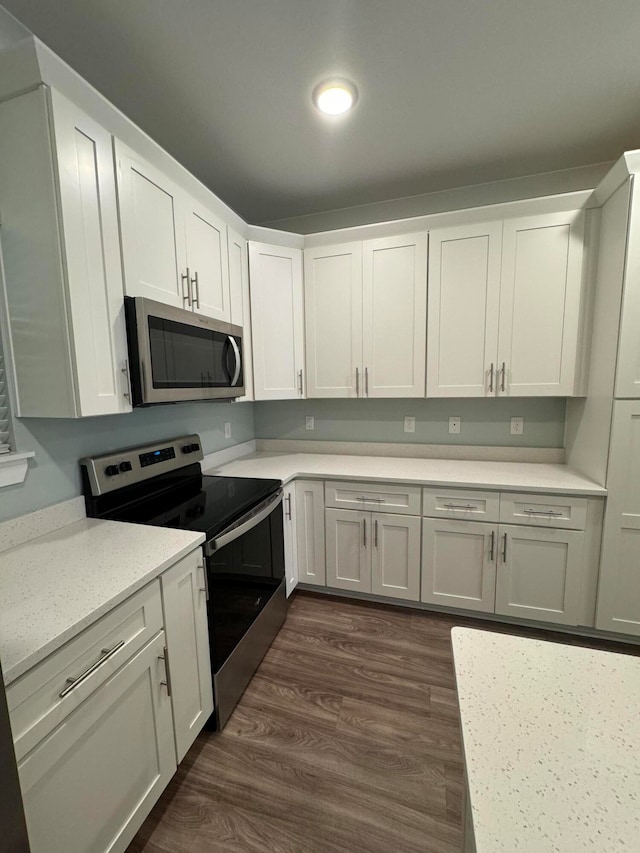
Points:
[(552, 744), (53, 587), (506, 476)]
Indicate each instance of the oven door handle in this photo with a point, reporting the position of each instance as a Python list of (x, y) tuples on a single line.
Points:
[(244, 527)]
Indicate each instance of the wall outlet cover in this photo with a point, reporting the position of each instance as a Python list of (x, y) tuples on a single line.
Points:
[(227, 430), (454, 425), (517, 426), (409, 423), (310, 422)]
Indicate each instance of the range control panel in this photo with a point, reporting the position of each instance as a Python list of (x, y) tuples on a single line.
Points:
[(135, 464)]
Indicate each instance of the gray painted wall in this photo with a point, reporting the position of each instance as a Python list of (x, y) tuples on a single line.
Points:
[(54, 473), (485, 422)]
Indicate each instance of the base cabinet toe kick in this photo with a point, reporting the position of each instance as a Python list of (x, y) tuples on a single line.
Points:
[(522, 556)]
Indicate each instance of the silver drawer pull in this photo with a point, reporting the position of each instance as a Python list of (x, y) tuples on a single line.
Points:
[(165, 657), (371, 500), (461, 506), (74, 682), (542, 512)]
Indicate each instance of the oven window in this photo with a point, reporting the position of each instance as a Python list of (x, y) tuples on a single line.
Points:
[(185, 356)]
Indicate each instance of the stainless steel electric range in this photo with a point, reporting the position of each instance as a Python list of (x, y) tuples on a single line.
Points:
[(162, 484)]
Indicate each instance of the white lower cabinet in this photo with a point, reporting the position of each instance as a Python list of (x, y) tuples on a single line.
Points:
[(459, 563), (184, 600), (539, 573), (374, 553), (90, 784), (290, 538), (309, 510)]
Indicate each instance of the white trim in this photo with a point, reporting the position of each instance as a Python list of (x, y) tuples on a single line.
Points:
[(13, 467), (221, 457)]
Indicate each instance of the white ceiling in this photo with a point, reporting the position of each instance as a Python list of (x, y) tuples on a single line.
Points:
[(452, 92)]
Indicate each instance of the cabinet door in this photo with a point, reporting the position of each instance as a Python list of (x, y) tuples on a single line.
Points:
[(395, 556), (93, 266), (240, 304), (290, 545), (152, 231), (184, 597), (88, 786), (539, 574), (618, 606), (207, 260), (348, 536), (628, 369), (540, 295), (310, 532), (395, 316), (462, 315), (459, 563), (277, 321), (333, 320)]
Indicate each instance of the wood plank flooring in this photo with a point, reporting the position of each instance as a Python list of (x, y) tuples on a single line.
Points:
[(347, 739)]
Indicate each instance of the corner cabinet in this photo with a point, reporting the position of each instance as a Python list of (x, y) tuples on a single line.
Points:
[(505, 306), (277, 314), (61, 254), (365, 309)]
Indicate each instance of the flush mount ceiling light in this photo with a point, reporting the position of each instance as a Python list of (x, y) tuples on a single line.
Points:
[(334, 97)]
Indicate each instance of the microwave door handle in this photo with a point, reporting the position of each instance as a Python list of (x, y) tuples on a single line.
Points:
[(238, 358)]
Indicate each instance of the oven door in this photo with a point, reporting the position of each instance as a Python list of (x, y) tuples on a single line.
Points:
[(245, 568), (178, 355)]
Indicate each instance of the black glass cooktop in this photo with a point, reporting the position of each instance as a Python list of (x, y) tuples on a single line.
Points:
[(205, 503)]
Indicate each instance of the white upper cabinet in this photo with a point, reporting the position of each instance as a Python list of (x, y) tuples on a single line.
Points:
[(540, 296), (395, 304), (464, 298), (240, 303), (208, 262), (628, 368), (277, 313), (333, 315), (61, 259), (152, 231)]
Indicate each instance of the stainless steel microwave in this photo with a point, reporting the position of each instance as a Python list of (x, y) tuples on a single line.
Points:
[(177, 355)]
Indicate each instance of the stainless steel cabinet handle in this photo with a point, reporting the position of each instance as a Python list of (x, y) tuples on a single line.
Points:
[(375, 532), (186, 277), (492, 546), (196, 289), (460, 506), (504, 373), (504, 549), (75, 682), (364, 532), (300, 382), (491, 371), (357, 381), (542, 512), (366, 381), (204, 588), (165, 658), (371, 500), (288, 502), (125, 370)]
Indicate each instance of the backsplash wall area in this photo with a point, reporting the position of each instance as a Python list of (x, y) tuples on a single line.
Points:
[(54, 473), (484, 422)]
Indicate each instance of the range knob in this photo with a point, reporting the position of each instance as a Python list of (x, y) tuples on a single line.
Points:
[(190, 448), (111, 470), (125, 466)]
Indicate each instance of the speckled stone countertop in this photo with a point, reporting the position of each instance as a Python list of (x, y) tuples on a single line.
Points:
[(551, 739), (506, 476), (53, 587)]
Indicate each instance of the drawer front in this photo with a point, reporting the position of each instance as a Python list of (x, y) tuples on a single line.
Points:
[(569, 513), (35, 704), (378, 497), (460, 504)]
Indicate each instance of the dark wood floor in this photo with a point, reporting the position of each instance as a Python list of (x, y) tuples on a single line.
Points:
[(347, 739)]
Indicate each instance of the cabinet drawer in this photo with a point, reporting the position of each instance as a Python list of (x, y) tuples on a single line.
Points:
[(35, 704), (544, 510), (387, 497), (465, 505)]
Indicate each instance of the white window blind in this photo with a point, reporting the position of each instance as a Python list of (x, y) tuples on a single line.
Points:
[(5, 419)]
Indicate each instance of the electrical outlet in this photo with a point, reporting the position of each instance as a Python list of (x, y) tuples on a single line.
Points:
[(517, 426), (454, 425), (310, 422), (409, 423), (227, 430)]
